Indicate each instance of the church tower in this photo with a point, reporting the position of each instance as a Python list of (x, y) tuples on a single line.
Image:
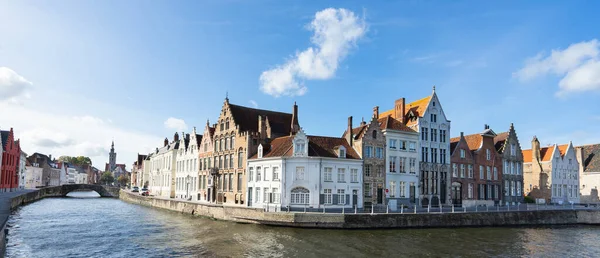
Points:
[(112, 157)]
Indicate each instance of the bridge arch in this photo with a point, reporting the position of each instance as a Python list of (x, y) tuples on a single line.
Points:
[(63, 190)]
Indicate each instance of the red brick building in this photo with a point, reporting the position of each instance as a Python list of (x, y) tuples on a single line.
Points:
[(476, 169), (11, 154)]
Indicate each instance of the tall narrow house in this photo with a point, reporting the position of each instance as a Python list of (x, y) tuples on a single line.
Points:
[(369, 142), (426, 116), (508, 146)]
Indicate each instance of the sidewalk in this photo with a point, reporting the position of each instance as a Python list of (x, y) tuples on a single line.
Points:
[(5, 203)]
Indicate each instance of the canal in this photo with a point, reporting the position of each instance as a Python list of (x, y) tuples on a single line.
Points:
[(103, 227)]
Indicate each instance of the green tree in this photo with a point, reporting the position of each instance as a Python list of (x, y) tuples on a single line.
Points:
[(123, 180), (79, 160), (107, 178)]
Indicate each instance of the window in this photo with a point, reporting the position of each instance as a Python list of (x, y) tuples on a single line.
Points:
[(513, 150), (226, 145), (402, 164), (231, 143), (230, 160), (481, 192), (470, 193), (454, 170), (368, 190), (240, 159), (470, 171), (239, 182), (392, 188), (258, 174), (462, 170), (512, 188), (434, 155), (368, 151), (300, 145), (489, 172), (231, 182), (570, 161), (424, 132), (393, 144), (443, 156), (519, 188), (402, 189), (506, 188), (265, 174), (227, 124), (433, 118), (424, 154), (402, 145), (250, 174), (226, 163), (488, 154), (299, 173), (367, 170), (462, 153), (380, 170), (354, 175), (327, 175), (379, 152), (342, 153), (433, 135), (328, 196), (393, 163), (412, 146), (495, 173), (300, 195), (274, 195), (413, 165), (275, 173), (442, 135), (481, 176), (257, 195), (221, 145), (341, 175), (266, 195), (341, 196), (374, 134)]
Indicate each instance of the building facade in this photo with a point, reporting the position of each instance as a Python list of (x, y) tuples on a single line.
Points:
[(426, 116), (238, 133), (186, 175), (137, 171), (508, 146), (402, 177), (33, 176), (476, 178), (551, 173), (369, 142), (162, 169), (22, 169), (300, 171), (588, 157), (11, 156), (206, 188)]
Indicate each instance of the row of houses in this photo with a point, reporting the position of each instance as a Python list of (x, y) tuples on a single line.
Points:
[(404, 156)]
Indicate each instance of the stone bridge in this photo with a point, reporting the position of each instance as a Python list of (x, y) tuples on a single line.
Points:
[(63, 190)]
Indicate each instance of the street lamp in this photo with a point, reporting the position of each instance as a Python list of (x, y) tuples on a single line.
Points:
[(214, 172)]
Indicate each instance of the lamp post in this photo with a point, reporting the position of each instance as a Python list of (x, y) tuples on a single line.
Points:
[(214, 172)]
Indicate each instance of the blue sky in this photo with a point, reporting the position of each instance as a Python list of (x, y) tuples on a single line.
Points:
[(86, 72)]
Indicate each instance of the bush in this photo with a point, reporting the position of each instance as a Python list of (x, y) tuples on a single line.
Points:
[(529, 199)]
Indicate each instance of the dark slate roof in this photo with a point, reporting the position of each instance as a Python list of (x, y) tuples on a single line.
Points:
[(499, 141), (247, 119), (4, 136), (318, 146), (591, 158), (198, 140)]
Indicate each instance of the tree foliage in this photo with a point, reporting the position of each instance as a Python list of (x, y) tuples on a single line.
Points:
[(107, 178), (123, 180), (79, 160)]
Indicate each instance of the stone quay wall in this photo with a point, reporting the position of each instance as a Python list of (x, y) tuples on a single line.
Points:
[(370, 221)]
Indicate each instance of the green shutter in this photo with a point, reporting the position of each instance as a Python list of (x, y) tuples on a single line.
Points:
[(335, 199)]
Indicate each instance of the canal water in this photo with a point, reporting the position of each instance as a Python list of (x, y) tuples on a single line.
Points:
[(103, 227)]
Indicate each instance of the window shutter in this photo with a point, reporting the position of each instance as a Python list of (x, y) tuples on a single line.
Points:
[(347, 199), (335, 199), (321, 198)]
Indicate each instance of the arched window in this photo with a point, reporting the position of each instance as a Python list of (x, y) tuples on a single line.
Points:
[(300, 195), (232, 143), (226, 163), (240, 158), (226, 143), (221, 145), (227, 124), (374, 134), (231, 161), (216, 145), (221, 128)]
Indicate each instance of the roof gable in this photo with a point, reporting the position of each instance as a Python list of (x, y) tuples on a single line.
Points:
[(318, 146), (591, 158), (247, 119)]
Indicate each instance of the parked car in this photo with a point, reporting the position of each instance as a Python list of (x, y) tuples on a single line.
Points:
[(135, 189), (144, 192)]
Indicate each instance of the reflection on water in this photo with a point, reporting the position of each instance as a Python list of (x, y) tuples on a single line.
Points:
[(70, 227), (83, 194)]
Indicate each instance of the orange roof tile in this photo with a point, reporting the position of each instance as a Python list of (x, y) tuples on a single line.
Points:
[(545, 154), (563, 149), (417, 107), (389, 122), (526, 155)]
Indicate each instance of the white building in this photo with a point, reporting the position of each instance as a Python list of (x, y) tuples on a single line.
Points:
[(551, 173), (303, 171), (186, 175), (426, 116), (33, 176), (588, 157), (162, 169), (71, 175), (81, 178), (22, 169), (402, 177)]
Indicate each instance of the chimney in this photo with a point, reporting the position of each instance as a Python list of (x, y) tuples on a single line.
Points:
[(166, 141), (362, 122), (176, 137), (462, 134), (535, 149), (399, 109), (349, 136), (50, 157), (262, 127), (486, 126), (295, 127), (376, 112)]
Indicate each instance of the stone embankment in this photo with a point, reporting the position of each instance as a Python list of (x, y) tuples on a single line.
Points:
[(370, 221)]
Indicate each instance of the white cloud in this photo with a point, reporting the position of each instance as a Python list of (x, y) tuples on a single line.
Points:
[(253, 103), (578, 65), (12, 85), (336, 31), (176, 123)]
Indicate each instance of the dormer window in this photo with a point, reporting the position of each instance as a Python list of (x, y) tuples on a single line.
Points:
[(260, 151), (342, 152), (300, 148)]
